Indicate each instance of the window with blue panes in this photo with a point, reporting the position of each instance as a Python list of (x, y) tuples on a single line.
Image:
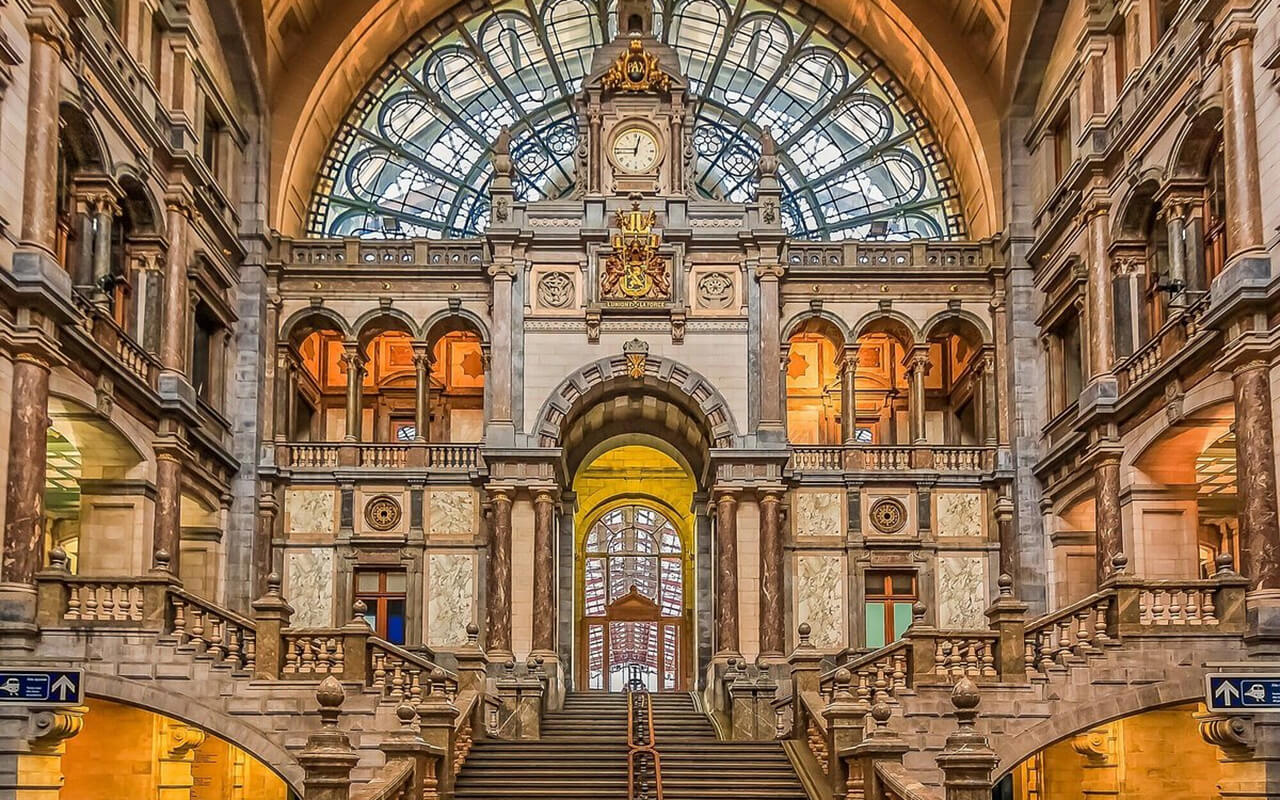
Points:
[(889, 598), (383, 594)]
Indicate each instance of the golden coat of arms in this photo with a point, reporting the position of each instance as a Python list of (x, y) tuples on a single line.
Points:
[(636, 71), (635, 270)]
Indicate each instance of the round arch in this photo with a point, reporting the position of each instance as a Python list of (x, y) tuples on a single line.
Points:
[(1206, 395), (145, 214), (1192, 148), (449, 320), (306, 321), (890, 322), (1135, 208), (378, 321), (959, 322), (81, 135), (819, 321)]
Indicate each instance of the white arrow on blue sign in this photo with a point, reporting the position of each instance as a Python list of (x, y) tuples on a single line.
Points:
[(1242, 692), (39, 686)]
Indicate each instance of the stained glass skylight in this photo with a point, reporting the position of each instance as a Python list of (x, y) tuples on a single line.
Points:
[(859, 160)]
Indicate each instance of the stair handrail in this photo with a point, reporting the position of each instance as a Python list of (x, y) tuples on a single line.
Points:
[(896, 783), (395, 780), (638, 700)]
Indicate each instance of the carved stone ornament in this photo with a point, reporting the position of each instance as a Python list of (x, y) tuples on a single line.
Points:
[(382, 513), (715, 291), (555, 290), (888, 515), (637, 353), (635, 270), (636, 71)]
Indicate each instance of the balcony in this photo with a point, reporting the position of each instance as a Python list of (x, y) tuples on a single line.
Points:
[(120, 348), (328, 456), (1180, 335), (818, 459)]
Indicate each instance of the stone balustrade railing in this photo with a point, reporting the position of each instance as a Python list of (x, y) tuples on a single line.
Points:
[(886, 458), (222, 636), (1183, 327), (110, 337), (302, 253), (379, 455), (921, 254)]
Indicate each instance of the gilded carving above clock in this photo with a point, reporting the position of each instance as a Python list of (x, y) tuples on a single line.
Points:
[(635, 150), (636, 71)]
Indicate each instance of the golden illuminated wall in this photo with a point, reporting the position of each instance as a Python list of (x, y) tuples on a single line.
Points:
[(127, 752)]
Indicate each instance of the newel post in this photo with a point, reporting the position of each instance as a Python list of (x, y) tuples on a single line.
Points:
[(1126, 612), (355, 645), (921, 644), (806, 675), (438, 718), (881, 744), (1008, 618), (845, 725), (271, 615), (1229, 599), (407, 744), (328, 758), (967, 760)]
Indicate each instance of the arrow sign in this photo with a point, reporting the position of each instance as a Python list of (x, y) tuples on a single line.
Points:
[(1245, 692), (30, 687)]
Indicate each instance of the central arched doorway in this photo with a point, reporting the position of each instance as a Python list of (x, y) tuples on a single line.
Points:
[(634, 563)]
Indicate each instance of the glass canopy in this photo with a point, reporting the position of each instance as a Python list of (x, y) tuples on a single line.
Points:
[(859, 160)]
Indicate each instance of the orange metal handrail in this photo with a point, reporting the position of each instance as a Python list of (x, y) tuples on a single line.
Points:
[(636, 751)]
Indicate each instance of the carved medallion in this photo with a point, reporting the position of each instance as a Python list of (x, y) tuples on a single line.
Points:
[(715, 291), (382, 513), (636, 71), (555, 290), (888, 515)]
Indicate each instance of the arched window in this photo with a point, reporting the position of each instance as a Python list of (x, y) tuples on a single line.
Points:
[(859, 160), (1215, 216)]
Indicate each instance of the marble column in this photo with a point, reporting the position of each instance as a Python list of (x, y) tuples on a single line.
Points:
[(173, 336), (104, 215), (1175, 226), (727, 642), (263, 536), (24, 490), (40, 184), (772, 608), (284, 395), (1106, 513), (769, 276), (918, 369), (1256, 477), (167, 531), (422, 392), (1008, 536), (990, 401), (1245, 231), (355, 383), (849, 394), (498, 642), (1100, 323), (500, 407), (544, 574)]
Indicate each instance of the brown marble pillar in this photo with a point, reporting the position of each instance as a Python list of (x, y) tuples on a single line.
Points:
[(1106, 513), (1008, 538), (1245, 231), (498, 642), (772, 609), (422, 392), (849, 394), (24, 490), (173, 336), (919, 368), (544, 574), (167, 533), (264, 533), (1256, 476), (40, 183), (500, 358), (1100, 323), (727, 642), (355, 384), (104, 214)]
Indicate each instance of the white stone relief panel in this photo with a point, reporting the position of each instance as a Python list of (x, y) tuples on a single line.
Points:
[(308, 586), (452, 513), (818, 513), (820, 598), (450, 605), (959, 513), (962, 592), (310, 510)]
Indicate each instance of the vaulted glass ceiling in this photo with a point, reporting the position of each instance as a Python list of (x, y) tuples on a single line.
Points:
[(858, 161)]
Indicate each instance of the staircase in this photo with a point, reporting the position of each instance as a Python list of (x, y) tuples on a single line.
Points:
[(583, 753)]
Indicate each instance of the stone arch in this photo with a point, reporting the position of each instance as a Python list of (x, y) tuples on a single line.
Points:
[(454, 319), (965, 324), (1205, 395), (1135, 208), (667, 392), (373, 323), (75, 407), (189, 709), (306, 321), (817, 321), (145, 214), (888, 321), (1194, 144), (82, 138), (1014, 749)]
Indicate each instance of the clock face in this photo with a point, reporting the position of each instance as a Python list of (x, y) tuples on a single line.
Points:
[(635, 150)]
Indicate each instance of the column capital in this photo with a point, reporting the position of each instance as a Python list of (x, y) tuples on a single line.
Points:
[(1235, 33), (770, 271), (51, 728), (45, 24), (502, 270)]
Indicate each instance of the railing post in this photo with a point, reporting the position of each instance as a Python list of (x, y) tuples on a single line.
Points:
[(1229, 600), (1008, 618), (967, 760), (438, 717), (921, 643), (750, 711), (845, 720), (473, 662), (155, 594), (407, 744), (881, 744), (328, 758), (271, 615), (51, 590), (1126, 612), (806, 674), (355, 645)]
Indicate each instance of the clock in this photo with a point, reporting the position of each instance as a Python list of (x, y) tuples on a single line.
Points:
[(635, 150)]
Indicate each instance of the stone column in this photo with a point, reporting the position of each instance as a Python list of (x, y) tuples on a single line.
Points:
[(918, 369), (1175, 224), (1245, 231), (355, 383), (38, 770), (40, 184), (283, 394), (1106, 512), (498, 642), (167, 531), (104, 215), (422, 391), (727, 643), (1008, 537), (24, 490), (849, 394), (769, 277), (544, 574), (503, 275), (1256, 477), (1100, 321), (263, 536), (967, 760), (772, 605), (990, 401), (173, 336)]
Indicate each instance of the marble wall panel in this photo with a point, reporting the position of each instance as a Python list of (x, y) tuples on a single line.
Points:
[(452, 513), (450, 598), (959, 513), (308, 586), (962, 592), (310, 510), (820, 598), (818, 513)]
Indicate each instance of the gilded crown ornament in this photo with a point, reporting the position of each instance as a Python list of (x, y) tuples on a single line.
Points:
[(636, 70)]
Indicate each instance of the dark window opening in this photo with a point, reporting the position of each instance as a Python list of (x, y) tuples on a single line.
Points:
[(383, 594), (202, 366)]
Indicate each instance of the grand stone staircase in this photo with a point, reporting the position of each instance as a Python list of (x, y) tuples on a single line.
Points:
[(583, 753)]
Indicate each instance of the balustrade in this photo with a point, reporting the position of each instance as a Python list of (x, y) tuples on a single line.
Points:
[(215, 633), (313, 652), (112, 601), (103, 330), (380, 455), (1173, 336)]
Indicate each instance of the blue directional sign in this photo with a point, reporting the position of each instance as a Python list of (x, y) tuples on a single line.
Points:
[(1243, 692), (38, 686)]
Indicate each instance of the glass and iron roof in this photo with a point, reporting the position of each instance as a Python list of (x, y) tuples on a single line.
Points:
[(859, 160)]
